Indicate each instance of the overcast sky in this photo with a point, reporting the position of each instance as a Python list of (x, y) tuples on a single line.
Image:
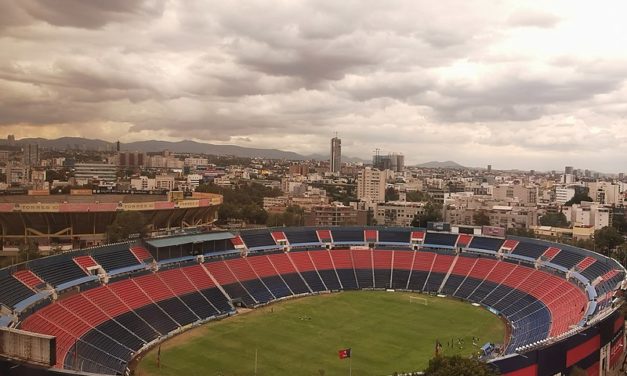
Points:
[(531, 85)]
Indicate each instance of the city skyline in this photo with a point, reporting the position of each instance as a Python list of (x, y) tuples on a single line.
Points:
[(526, 86)]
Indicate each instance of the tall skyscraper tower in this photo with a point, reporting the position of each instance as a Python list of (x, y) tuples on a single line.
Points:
[(31, 155), (336, 154)]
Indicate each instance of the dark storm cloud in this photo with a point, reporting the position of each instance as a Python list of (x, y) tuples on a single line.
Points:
[(312, 66), (89, 14)]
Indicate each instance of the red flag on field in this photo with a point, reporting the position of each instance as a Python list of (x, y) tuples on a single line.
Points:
[(344, 353)]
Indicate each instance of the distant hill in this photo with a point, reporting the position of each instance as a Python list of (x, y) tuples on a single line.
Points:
[(198, 147), (68, 142), (185, 146), (322, 157), (437, 164)]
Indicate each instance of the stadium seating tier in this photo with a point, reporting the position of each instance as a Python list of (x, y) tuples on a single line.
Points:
[(102, 327)]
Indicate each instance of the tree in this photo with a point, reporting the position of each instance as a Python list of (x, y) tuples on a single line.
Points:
[(292, 216), (554, 220), (432, 212), (391, 194), (620, 254), (584, 243), (370, 219), (458, 366), (243, 202), (524, 232), (481, 218), (578, 197), (619, 222), (28, 251), (606, 239), (344, 193), (416, 196), (125, 224)]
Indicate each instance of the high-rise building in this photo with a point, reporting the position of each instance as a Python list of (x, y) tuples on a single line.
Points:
[(31, 155), (394, 162), (371, 185), (489, 168), (397, 162), (569, 170), (131, 159), (336, 155)]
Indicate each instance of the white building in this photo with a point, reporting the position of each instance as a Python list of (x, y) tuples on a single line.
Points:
[(564, 194), (193, 162), (164, 182), (605, 192), (193, 181), (86, 172), (143, 183), (371, 185), (587, 214), (160, 182), (16, 173), (164, 161)]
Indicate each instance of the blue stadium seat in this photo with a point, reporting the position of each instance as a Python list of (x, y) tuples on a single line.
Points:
[(490, 244), (529, 249), (114, 257), (57, 270), (394, 236), (441, 239)]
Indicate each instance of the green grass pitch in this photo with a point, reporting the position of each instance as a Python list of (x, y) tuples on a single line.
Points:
[(386, 332)]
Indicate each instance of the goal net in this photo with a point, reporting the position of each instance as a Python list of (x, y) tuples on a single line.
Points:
[(418, 300)]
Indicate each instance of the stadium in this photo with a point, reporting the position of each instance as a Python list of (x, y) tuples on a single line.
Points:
[(80, 220), (97, 310)]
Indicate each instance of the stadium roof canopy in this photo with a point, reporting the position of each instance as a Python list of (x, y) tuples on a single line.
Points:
[(196, 238)]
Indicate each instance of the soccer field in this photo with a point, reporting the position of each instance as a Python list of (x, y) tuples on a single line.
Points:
[(386, 332)]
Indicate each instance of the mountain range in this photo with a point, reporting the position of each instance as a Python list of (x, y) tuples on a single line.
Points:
[(437, 164), (194, 147), (186, 146)]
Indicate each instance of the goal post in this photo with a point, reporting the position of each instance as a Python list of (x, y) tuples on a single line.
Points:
[(418, 300)]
